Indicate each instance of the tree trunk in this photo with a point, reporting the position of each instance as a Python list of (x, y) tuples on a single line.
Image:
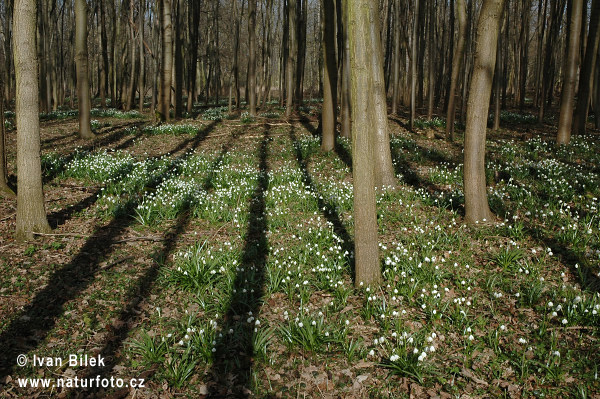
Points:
[(167, 61), (141, 82), (587, 71), (31, 211), (413, 68), (104, 51), (291, 58), (477, 209), (384, 168), (328, 114), (252, 57), (81, 61), (570, 74), (302, 14), (133, 59), (461, 12), (430, 64), (396, 56), (361, 15), (4, 188), (497, 81), (178, 60), (345, 129)]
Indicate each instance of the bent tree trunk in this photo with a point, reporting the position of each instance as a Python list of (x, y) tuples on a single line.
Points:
[(361, 14), (476, 204), (31, 212), (570, 75), (81, 64)]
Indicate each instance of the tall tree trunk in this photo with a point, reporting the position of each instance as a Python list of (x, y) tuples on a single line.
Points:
[(81, 61), (461, 12), (477, 209), (556, 16), (104, 51), (252, 56), (497, 81), (396, 56), (570, 74), (302, 12), (133, 58), (384, 168), (4, 188), (167, 61), (413, 68), (194, 21), (291, 58), (430, 64), (328, 114), (141, 81), (345, 102), (178, 59), (31, 211), (361, 15), (524, 53), (587, 71)]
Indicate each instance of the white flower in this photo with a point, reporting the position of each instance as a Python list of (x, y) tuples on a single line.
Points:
[(371, 352), (522, 340), (471, 337), (564, 321)]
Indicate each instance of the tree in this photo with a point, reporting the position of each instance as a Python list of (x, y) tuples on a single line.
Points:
[(328, 114), (4, 188), (81, 61), (413, 68), (476, 205), (167, 60), (361, 16), (292, 47), (587, 71), (461, 12), (31, 212), (570, 74), (252, 56)]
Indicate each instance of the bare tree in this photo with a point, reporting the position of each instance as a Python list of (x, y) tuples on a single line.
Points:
[(4, 188), (252, 56), (167, 60), (587, 71), (570, 74), (361, 15), (457, 58), (31, 211), (81, 62), (328, 114), (477, 209)]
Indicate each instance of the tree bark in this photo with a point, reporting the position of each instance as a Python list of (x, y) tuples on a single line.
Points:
[(81, 62), (396, 56), (328, 114), (141, 78), (4, 188), (291, 58), (570, 75), (31, 211), (167, 61), (586, 80), (413, 68), (361, 15), (461, 12), (477, 209), (252, 57)]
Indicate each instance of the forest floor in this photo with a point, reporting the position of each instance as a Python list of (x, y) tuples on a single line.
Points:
[(213, 258)]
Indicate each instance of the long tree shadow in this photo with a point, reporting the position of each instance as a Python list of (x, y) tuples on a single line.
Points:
[(141, 289), (328, 209), (232, 361), (58, 218), (208, 183), (135, 297), (25, 332)]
